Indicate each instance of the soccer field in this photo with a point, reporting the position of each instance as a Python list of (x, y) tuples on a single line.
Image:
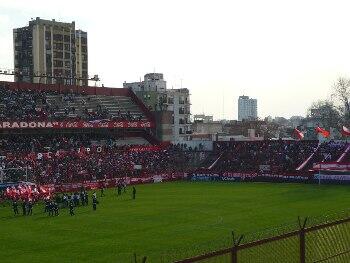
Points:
[(164, 218)]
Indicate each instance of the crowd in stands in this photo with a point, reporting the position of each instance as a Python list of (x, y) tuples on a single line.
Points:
[(330, 151), (76, 158), (19, 104), (33, 105), (73, 158), (274, 156)]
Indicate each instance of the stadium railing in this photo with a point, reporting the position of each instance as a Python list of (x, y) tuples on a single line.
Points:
[(324, 239)]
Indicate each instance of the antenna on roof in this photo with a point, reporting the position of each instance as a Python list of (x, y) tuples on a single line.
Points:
[(223, 104)]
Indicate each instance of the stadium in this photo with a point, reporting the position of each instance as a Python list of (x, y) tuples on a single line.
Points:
[(153, 201), (185, 168)]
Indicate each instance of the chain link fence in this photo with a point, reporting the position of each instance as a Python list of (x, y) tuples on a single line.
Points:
[(323, 239)]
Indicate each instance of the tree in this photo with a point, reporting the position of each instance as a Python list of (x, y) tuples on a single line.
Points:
[(326, 113), (341, 97)]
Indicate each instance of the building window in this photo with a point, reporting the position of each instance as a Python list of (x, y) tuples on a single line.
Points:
[(58, 63), (48, 58), (66, 38), (58, 46), (57, 37), (57, 54), (47, 35), (48, 46), (57, 72)]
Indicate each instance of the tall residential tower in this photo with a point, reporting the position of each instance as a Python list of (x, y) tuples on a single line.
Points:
[(50, 52), (247, 108)]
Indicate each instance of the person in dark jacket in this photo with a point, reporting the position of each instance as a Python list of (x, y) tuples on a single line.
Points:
[(71, 208), (94, 201), (133, 192), (24, 208), (15, 207), (29, 208)]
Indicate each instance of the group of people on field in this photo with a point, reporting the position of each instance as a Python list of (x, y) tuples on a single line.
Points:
[(26, 205), (70, 201)]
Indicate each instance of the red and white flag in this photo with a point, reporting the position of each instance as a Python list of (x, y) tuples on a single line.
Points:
[(323, 132), (299, 134), (345, 131), (9, 192)]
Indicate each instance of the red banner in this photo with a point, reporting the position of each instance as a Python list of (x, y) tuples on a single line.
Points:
[(74, 124), (155, 178), (331, 166), (147, 148)]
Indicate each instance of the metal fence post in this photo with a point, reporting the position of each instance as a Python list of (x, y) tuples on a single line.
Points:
[(236, 242), (234, 255), (302, 248)]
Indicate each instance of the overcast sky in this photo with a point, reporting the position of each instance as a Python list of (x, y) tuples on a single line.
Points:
[(284, 53)]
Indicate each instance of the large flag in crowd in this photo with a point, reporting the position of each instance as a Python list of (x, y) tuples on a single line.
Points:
[(300, 135), (29, 192), (345, 131), (323, 132)]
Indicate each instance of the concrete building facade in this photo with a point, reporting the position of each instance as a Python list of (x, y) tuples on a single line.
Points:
[(151, 82), (178, 102), (203, 118), (247, 108), (155, 95), (47, 51)]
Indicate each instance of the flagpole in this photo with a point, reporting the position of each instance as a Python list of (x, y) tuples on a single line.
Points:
[(26, 173), (319, 175)]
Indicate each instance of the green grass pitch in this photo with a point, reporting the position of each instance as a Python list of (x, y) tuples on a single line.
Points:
[(164, 218)]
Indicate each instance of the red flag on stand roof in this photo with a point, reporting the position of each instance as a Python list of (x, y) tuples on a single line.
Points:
[(299, 134), (345, 131), (323, 132)]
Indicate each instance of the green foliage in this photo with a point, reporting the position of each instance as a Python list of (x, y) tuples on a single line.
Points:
[(326, 113), (341, 97)]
